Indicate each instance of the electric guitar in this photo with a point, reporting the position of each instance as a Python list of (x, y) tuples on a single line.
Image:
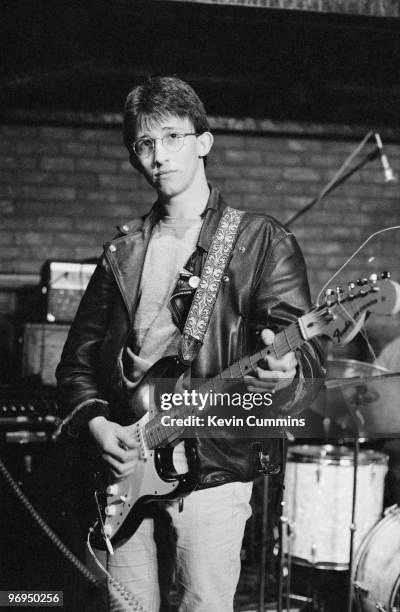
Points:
[(121, 505)]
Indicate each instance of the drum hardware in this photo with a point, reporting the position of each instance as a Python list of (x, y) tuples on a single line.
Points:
[(373, 404), (263, 558), (353, 526), (364, 401)]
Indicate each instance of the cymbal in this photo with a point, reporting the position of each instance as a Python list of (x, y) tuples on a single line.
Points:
[(350, 368), (360, 397)]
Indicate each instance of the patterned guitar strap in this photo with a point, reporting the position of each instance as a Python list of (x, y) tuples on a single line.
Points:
[(206, 293)]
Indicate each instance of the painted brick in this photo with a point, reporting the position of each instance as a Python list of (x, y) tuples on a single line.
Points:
[(63, 190), (6, 237), (36, 147), (78, 149), (76, 179), (13, 223), (274, 158), (101, 137), (261, 203), (9, 253), (15, 162), (56, 193), (7, 207), (94, 225), (239, 156), (57, 163), (33, 238), (117, 181), (88, 252), (301, 174), (56, 223), (6, 146), (304, 145), (262, 172), (19, 176), (75, 238), (59, 133), (96, 165), (115, 151), (26, 208)]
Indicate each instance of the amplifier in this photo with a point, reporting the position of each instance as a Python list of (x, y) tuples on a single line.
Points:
[(63, 284), (27, 411), (42, 348)]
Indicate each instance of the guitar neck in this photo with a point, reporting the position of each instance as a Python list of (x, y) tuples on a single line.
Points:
[(286, 340)]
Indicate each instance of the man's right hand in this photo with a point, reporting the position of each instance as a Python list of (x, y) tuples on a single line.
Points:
[(117, 447)]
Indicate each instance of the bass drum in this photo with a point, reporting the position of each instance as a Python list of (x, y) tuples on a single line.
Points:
[(376, 583)]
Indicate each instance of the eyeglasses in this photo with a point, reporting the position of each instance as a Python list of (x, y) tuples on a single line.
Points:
[(172, 142)]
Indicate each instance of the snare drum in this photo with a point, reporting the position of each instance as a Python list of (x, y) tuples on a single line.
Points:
[(377, 566), (318, 502)]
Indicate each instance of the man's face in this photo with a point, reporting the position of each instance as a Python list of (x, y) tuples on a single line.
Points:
[(171, 173)]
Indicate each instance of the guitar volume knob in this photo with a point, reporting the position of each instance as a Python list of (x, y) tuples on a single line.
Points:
[(110, 510), (112, 489)]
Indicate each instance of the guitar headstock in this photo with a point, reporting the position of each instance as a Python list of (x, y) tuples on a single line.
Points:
[(343, 312)]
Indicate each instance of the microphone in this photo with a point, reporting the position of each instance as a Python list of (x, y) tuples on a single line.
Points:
[(387, 170)]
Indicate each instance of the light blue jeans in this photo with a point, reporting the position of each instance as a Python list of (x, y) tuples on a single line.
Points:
[(203, 554)]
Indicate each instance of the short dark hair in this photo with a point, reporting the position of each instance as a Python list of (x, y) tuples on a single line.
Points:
[(158, 97)]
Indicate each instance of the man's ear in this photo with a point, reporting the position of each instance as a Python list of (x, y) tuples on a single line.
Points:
[(204, 143)]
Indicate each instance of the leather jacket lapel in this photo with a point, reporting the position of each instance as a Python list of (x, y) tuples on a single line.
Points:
[(126, 255)]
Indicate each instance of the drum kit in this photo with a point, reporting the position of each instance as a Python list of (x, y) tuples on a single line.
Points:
[(334, 494)]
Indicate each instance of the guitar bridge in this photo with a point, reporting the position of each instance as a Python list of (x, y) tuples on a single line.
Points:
[(142, 442)]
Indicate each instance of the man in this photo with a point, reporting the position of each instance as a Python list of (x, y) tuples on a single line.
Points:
[(133, 314)]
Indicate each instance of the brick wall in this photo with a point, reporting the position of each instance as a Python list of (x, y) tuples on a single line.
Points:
[(62, 191)]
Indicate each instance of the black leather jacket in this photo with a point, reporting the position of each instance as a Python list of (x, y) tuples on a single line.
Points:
[(265, 286)]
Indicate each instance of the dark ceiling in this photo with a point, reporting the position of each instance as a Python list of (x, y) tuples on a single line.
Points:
[(292, 65)]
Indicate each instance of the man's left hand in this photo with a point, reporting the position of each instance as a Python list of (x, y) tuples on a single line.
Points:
[(281, 371)]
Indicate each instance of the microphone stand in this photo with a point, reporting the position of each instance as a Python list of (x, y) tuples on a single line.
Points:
[(370, 157)]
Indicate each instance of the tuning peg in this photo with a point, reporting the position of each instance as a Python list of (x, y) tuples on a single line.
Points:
[(330, 297), (385, 275), (373, 278), (339, 293), (362, 281), (351, 287)]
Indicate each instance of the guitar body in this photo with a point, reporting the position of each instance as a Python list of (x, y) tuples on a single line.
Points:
[(123, 504)]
